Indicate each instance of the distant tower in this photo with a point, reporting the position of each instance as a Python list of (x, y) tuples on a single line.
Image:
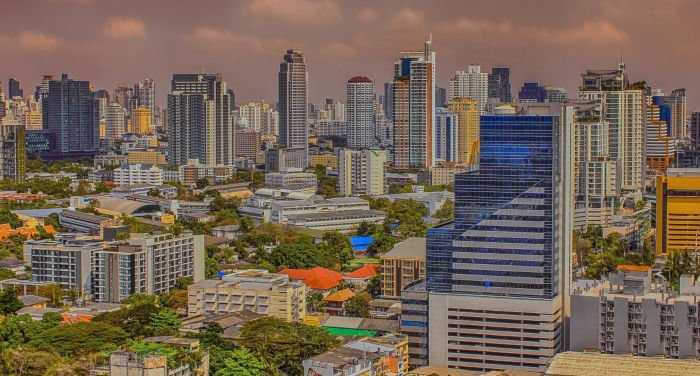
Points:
[(360, 115), (71, 113), (293, 105), (14, 89)]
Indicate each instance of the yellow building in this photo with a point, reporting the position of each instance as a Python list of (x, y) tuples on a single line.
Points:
[(678, 210), (141, 119), (444, 173), (103, 128), (402, 265), (255, 290), (468, 129), (31, 119), (328, 160), (146, 157)]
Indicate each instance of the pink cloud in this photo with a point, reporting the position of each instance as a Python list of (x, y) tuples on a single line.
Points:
[(125, 28), (367, 15), (38, 41), (212, 39), (300, 12), (405, 19)]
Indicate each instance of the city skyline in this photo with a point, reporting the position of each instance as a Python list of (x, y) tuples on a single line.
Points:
[(243, 42)]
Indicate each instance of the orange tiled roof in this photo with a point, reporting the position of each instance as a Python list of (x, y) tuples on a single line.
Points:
[(317, 278), (6, 231), (364, 272), (634, 268), (340, 296), (73, 318)]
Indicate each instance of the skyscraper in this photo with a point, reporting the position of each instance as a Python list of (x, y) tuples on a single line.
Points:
[(361, 113), (14, 89), (468, 130), (145, 92), (293, 104), (71, 114), (446, 135), (470, 84), (141, 120), (440, 97), (115, 121), (499, 84), (679, 113), (660, 147), (532, 92), (623, 108), (413, 109), (496, 276), (199, 120), (388, 100)]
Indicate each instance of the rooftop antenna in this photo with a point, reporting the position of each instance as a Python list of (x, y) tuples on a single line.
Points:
[(621, 66)]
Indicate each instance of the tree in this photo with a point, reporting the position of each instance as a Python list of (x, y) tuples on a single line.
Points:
[(358, 306), (242, 362), (83, 337), (176, 299), (6, 274), (337, 246), (201, 183), (134, 316), (283, 345), (164, 322), (446, 212), (405, 219), (9, 302), (6, 216), (367, 229), (297, 256), (382, 243), (678, 262), (52, 292), (374, 286), (315, 302), (29, 362)]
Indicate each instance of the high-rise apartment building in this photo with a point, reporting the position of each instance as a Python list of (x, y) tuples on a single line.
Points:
[(115, 121), (532, 92), (71, 113), (678, 210), (446, 135), (499, 84), (388, 103), (361, 113), (624, 110), (660, 145), (259, 117), (694, 129), (248, 143), (145, 92), (13, 152), (679, 113), (471, 83), (468, 129), (413, 109), (402, 265), (361, 172), (497, 276), (199, 120), (13, 89), (123, 95), (293, 105), (141, 120), (556, 94)]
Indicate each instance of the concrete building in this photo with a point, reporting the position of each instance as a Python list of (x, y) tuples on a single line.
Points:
[(471, 83), (147, 157), (345, 222), (413, 109), (660, 145), (199, 120), (84, 222), (247, 143), (588, 363), (145, 93), (401, 266), (499, 85), (13, 152), (678, 210), (447, 145), (146, 264), (259, 117), (115, 121), (444, 173), (328, 160), (360, 116), (254, 290), (631, 313), (141, 120), (292, 180), (293, 106), (678, 113), (496, 277), (135, 174), (624, 110), (328, 127), (361, 172), (280, 159), (281, 210), (468, 129)]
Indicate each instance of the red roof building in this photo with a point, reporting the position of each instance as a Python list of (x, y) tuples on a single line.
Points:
[(317, 278)]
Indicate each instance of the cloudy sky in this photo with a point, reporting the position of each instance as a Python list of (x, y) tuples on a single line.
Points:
[(110, 42)]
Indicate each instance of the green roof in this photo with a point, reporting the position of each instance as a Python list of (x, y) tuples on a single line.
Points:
[(350, 332)]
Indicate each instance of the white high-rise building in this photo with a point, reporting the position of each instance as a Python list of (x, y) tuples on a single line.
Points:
[(259, 117), (361, 172), (624, 110), (679, 113), (360, 112), (470, 84), (293, 104), (145, 91), (115, 121)]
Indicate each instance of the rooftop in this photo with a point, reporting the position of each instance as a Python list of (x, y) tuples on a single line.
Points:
[(594, 364), (340, 296), (364, 272), (409, 248)]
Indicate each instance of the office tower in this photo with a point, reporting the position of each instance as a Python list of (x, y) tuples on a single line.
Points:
[(468, 132), (694, 131), (446, 135), (14, 89), (678, 210), (496, 277), (13, 152), (71, 113), (361, 172), (115, 121), (624, 109), (31, 119), (596, 182), (293, 105), (660, 147), (141, 120), (679, 113), (499, 84), (471, 84), (199, 121), (556, 94), (123, 95), (440, 97), (532, 92), (388, 100), (145, 92), (232, 99), (102, 97), (413, 109), (361, 112)]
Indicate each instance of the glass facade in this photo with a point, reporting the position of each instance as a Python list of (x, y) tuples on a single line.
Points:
[(504, 240)]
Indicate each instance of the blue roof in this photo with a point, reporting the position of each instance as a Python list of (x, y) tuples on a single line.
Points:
[(360, 243)]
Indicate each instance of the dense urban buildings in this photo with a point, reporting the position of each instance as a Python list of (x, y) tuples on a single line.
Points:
[(471, 83), (361, 172), (360, 117), (499, 84), (677, 210), (293, 106), (467, 110)]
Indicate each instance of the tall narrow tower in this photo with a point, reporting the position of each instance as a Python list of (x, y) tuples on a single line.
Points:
[(293, 108), (360, 112)]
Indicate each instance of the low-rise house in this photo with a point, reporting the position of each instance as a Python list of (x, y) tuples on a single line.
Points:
[(362, 275), (335, 302), (13, 264), (33, 301), (318, 278), (233, 232)]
